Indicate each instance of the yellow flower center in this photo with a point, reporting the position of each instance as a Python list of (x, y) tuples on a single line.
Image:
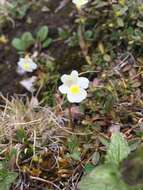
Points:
[(26, 66), (74, 89)]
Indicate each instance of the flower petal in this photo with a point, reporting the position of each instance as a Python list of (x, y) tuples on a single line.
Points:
[(77, 98), (28, 83), (20, 71), (33, 65), (74, 73), (69, 80), (63, 89), (20, 62), (64, 77), (79, 3), (83, 82)]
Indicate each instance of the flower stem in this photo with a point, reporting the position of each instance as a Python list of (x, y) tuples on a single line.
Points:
[(70, 118), (82, 42)]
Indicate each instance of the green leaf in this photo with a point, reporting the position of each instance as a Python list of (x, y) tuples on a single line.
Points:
[(11, 176), (63, 33), (6, 183), (88, 35), (21, 135), (27, 36), (134, 144), (103, 177), (72, 143), (6, 177), (75, 155), (17, 44), (104, 141), (24, 42), (42, 33), (47, 43), (117, 150), (89, 167), (27, 40)]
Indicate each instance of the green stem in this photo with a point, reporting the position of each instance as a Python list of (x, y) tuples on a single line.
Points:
[(70, 118)]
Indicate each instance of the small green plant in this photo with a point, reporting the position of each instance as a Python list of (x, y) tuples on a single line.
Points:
[(42, 37), (19, 8), (24, 42), (27, 40), (64, 33), (6, 177), (108, 176), (9, 10), (73, 146)]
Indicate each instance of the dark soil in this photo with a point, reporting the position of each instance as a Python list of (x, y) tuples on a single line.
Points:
[(9, 83)]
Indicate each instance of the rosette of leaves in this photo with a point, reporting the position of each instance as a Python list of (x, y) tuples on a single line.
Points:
[(27, 40)]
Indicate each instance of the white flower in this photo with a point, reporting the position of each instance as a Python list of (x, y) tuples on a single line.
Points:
[(3, 2), (26, 64), (29, 83), (79, 3), (74, 86)]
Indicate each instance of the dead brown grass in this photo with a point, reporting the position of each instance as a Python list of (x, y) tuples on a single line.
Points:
[(15, 114)]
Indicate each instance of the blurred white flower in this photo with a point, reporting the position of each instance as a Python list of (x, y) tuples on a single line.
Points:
[(74, 86), (79, 3), (29, 83), (26, 64), (3, 2)]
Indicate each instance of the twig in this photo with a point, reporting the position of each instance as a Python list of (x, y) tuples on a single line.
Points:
[(27, 123), (45, 181), (82, 73)]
